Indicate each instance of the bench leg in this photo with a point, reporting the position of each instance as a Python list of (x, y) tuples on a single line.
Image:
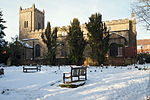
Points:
[(63, 78), (71, 78), (23, 69)]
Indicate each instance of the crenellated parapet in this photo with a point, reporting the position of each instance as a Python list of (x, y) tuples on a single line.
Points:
[(33, 8), (119, 21)]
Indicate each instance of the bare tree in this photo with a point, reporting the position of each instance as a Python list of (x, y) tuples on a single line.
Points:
[(142, 11)]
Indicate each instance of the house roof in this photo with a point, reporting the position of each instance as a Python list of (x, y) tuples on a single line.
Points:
[(143, 42)]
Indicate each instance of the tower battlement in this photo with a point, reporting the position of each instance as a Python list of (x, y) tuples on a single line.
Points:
[(33, 8), (119, 21)]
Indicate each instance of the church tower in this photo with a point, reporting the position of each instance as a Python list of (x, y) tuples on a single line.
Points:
[(30, 19)]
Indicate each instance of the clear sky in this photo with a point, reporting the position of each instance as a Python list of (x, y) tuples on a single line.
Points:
[(61, 12)]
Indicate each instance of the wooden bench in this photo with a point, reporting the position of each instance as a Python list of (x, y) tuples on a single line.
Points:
[(80, 73), (27, 69), (1, 71)]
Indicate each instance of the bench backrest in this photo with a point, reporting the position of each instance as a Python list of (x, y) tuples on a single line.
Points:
[(83, 71), (75, 72)]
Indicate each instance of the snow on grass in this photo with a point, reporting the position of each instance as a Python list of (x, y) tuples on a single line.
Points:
[(111, 83)]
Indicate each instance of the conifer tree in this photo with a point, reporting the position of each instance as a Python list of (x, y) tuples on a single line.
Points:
[(2, 27), (3, 43), (76, 43), (49, 38), (98, 37), (16, 51)]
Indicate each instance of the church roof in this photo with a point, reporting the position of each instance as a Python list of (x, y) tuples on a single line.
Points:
[(25, 44), (114, 33), (143, 42)]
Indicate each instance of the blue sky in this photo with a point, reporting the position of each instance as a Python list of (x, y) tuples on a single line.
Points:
[(61, 12)]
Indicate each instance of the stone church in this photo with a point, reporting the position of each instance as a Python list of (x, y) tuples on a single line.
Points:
[(122, 39)]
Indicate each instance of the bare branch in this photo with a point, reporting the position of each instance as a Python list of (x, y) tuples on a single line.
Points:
[(142, 10)]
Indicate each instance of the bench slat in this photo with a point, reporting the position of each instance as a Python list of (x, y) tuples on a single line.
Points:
[(26, 69)]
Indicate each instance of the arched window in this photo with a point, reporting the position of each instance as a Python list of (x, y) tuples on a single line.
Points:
[(113, 50), (37, 50), (25, 24)]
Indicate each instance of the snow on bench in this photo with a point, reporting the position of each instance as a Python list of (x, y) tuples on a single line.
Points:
[(79, 72), (33, 68)]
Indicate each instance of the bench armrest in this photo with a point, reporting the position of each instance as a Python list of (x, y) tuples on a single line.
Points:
[(67, 72)]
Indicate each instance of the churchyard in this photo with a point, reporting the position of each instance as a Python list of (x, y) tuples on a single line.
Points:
[(103, 83)]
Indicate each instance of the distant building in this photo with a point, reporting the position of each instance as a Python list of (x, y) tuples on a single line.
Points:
[(143, 46), (122, 40)]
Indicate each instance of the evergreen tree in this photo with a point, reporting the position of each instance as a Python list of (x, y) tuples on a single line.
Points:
[(16, 51), (76, 43), (3, 43), (98, 37), (49, 38), (4, 52), (2, 27)]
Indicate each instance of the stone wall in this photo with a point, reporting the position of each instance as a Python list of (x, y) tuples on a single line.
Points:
[(24, 16), (33, 16), (38, 19), (37, 35), (117, 25), (120, 61)]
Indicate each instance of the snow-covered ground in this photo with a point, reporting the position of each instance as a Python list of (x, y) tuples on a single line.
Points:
[(120, 83)]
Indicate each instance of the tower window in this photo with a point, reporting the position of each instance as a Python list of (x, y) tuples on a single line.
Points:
[(39, 26), (25, 24)]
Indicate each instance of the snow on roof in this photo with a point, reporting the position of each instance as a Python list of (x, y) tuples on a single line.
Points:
[(117, 34), (27, 39), (25, 44)]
